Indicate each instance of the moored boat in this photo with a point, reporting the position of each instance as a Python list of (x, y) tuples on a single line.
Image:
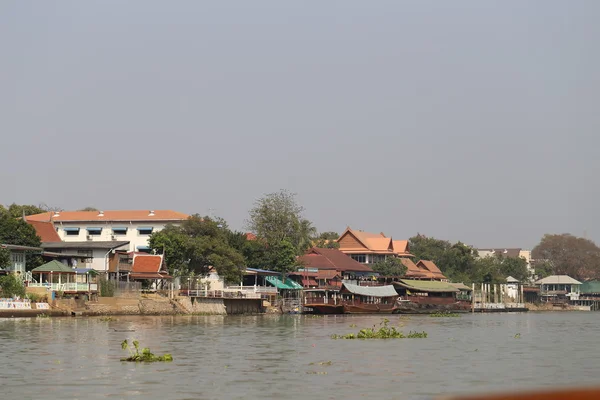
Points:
[(427, 297), (368, 299), (322, 301)]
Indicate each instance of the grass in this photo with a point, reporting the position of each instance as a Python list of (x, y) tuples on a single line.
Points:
[(384, 332)]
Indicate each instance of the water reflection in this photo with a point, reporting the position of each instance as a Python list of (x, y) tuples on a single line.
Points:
[(293, 356)]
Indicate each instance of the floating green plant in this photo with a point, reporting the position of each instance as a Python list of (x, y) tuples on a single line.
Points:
[(43, 316), (384, 332), (442, 314), (142, 356)]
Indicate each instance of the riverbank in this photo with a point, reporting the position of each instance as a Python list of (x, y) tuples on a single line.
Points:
[(151, 305)]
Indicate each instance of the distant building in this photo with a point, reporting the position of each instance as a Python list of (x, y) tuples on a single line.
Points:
[(134, 227), (511, 253)]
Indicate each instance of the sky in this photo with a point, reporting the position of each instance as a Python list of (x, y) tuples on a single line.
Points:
[(466, 120)]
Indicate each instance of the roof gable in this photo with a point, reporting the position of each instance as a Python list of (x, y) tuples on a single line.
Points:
[(54, 266), (429, 266), (45, 230), (350, 241), (146, 263)]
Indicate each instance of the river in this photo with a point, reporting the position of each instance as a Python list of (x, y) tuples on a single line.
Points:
[(277, 357)]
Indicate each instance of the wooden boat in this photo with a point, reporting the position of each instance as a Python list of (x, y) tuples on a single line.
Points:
[(322, 301), (368, 299), (558, 394), (427, 297)]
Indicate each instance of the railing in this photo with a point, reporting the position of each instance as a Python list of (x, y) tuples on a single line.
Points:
[(255, 289), (320, 300), (220, 294), (65, 287)]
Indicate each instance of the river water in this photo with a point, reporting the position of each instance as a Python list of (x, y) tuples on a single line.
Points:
[(277, 357)]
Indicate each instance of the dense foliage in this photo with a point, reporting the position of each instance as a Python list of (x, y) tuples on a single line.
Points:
[(566, 254), (461, 263), (14, 230), (11, 286), (391, 266), (197, 245)]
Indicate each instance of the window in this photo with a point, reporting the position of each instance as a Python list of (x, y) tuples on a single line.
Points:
[(145, 230), (361, 258), (72, 231), (94, 231), (375, 258), (119, 231)]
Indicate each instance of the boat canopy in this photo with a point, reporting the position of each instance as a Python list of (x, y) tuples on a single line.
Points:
[(373, 291), (426, 286)]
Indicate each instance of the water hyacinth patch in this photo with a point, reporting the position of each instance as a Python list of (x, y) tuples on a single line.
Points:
[(442, 314), (384, 332), (144, 356)]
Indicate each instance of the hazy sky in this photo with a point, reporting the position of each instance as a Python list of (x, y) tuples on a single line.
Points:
[(465, 120)]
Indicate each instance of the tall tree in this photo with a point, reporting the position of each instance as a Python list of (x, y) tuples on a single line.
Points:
[(457, 260), (195, 246), (17, 210), (89, 209), (569, 255), (277, 217)]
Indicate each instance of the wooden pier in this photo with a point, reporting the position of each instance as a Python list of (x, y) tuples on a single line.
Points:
[(500, 297)]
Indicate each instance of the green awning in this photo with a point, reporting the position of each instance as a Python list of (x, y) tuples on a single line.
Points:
[(53, 266), (590, 287), (279, 284)]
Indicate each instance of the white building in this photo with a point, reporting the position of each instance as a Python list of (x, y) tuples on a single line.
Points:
[(134, 226), (509, 252)]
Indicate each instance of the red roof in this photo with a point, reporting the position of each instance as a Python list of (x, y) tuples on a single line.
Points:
[(146, 263), (332, 259), (250, 236), (45, 230), (119, 215)]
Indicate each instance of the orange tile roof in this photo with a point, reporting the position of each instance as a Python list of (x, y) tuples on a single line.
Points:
[(119, 215), (146, 263), (410, 265), (45, 230), (375, 243), (431, 268)]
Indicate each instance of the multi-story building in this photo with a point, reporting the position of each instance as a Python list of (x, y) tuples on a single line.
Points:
[(369, 248), (98, 235), (134, 226)]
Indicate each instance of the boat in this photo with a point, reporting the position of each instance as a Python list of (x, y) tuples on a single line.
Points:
[(428, 297), (322, 301), (368, 299)]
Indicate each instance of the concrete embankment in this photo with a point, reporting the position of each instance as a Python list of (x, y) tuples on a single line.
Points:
[(143, 306)]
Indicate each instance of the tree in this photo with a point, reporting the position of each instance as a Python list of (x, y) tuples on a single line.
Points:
[(327, 240), (89, 209), (569, 255), (391, 266), (18, 232), (457, 261), (16, 210), (277, 217), (11, 286), (4, 258), (195, 246)]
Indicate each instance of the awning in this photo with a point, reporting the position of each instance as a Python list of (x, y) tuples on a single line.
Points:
[(142, 247), (94, 229), (119, 228), (145, 228), (279, 284), (71, 229)]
